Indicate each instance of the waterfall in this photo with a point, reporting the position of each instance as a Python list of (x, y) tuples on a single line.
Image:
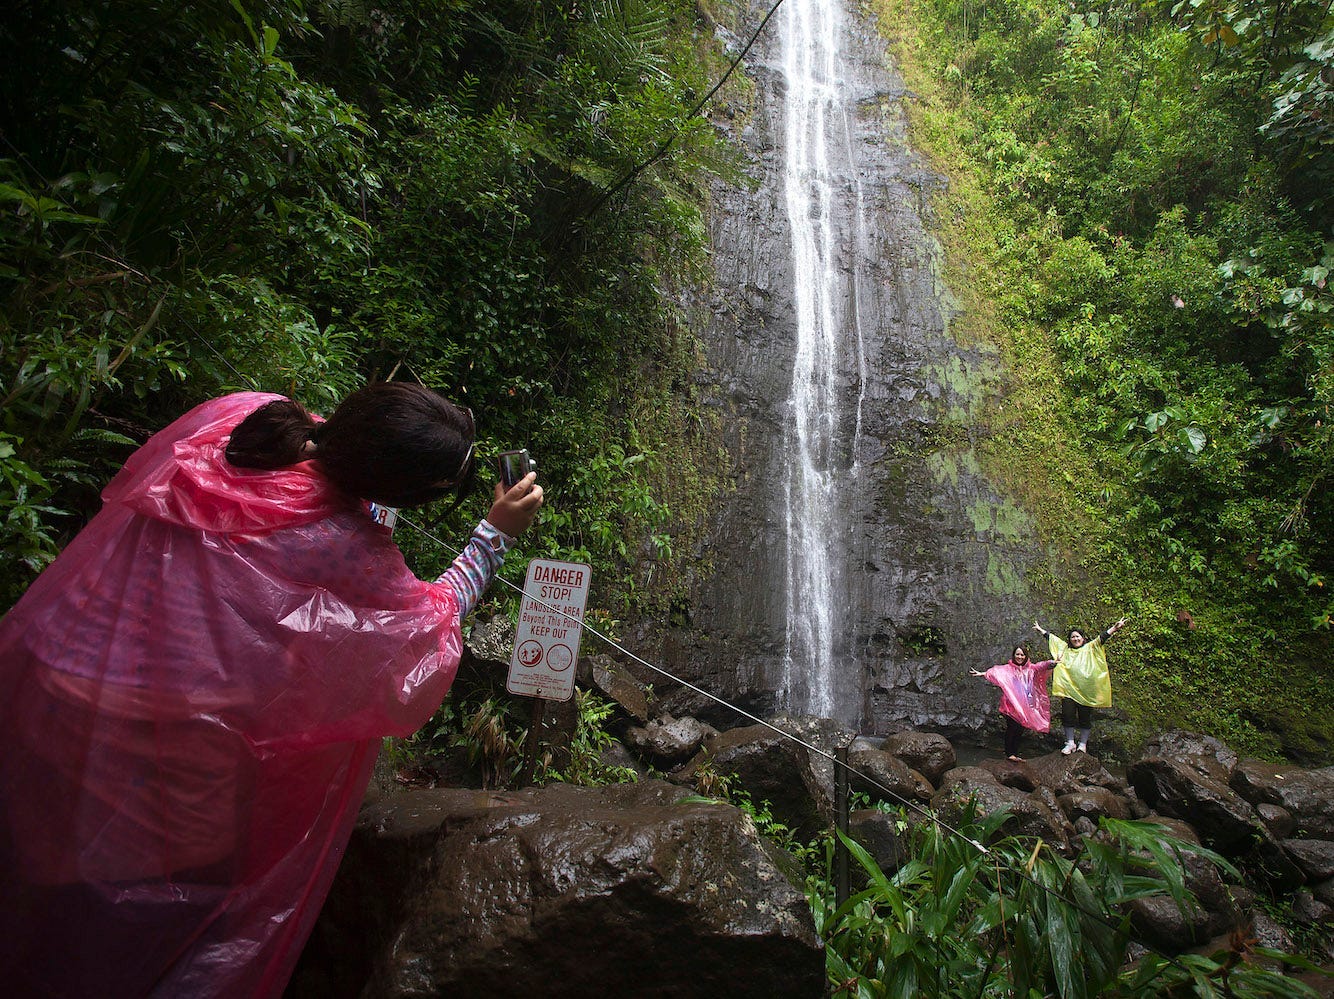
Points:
[(822, 195)]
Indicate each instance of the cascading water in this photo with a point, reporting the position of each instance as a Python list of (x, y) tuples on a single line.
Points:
[(819, 464), (859, 561)]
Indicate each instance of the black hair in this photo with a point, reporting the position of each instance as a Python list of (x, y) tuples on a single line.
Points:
[(395, 443)]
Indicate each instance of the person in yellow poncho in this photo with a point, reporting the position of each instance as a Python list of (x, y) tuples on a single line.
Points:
[(1081, 680)]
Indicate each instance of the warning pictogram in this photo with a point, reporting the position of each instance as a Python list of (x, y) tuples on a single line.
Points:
[(546, 645)]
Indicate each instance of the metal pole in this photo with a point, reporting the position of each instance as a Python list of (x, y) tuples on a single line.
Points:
[(841, 820), (530, 744)]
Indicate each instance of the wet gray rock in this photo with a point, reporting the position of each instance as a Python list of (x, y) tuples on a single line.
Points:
[(770, 768), (1160, 921), (1315, 857), (560, 892), (1035, 814), (1308, 795), (618, 685), (1020, 774), (1194, 788), (1308, 909), (1277, 819), (667, 742), (929, 753), (1093, 803), (885, 837), (1068, 774), (890, 781), (1209, 752)]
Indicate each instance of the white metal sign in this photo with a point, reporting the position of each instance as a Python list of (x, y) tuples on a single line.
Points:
[(546, 645)]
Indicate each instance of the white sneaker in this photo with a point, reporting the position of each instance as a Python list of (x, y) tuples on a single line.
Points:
[(1068, 748), (1083, 747)]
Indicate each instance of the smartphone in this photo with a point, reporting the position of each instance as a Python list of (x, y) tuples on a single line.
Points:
[(514, 465)]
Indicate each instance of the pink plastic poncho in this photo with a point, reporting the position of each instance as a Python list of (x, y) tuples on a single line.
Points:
[(1024, 693), (191, 700)]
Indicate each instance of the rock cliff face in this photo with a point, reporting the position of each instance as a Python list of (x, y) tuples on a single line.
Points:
[(929, 560)]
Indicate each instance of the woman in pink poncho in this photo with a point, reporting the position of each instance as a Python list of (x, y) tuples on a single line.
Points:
[(193, 694), (1023, 696)]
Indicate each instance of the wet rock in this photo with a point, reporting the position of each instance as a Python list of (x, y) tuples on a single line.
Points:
[(469, 894), (1315, 857), (1308, 909), (770, 768), (1068, 774), (1277, 819), (928, 753), (1033, 814), (1324, 892), (619, 686), (1176, 828), (1208, 752), (667, 742), (1160, 921), (1093, 803), (885, 837), (1019, 775), (1195, 789), (890, 778), (1307, 794), (1176, 928)]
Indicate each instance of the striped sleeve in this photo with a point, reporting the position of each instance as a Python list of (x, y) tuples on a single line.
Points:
[(477, 565)]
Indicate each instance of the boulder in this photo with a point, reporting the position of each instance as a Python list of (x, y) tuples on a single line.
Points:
[(1208, 751), (887, 778), (617, 685), (1017, 774), (1315, 857), (1277, 819), (1093, 803), (1194, 788), (1174, 928), (769, 767), (885, 837), (928, 753), (560, 892), (1161, 922), (1308, 795), (667, 742), (1068, 774), (1035, 814)]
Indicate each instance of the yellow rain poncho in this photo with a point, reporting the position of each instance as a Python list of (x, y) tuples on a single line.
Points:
[(1081, 674)]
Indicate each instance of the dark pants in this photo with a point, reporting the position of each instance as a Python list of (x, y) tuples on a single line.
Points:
[(1013, 730), (1071, 708)]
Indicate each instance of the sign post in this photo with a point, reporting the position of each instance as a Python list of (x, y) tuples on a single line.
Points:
[(546, 643)]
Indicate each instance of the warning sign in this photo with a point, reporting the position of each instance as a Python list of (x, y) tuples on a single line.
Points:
[(551, 616)]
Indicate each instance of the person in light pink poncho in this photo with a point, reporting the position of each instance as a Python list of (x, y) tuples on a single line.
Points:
[(1024, 700), (193, 694)]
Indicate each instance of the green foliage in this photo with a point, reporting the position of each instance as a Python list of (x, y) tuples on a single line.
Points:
[(591, 741), (1149, 251), (1022, 920), (300, 197)]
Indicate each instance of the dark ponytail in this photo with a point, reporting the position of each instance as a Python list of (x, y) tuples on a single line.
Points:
[(273, 436)]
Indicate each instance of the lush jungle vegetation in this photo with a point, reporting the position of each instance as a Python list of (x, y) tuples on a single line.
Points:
[(301, 195), (298, 196), (1140, 215)]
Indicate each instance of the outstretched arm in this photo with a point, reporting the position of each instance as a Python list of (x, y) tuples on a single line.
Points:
[(511, 514), (1113, 629), (1039, 629)]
